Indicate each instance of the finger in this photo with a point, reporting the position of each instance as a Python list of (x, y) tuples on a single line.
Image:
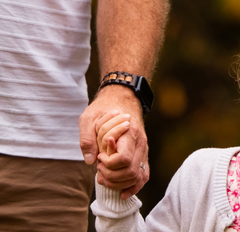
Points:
[(118, 175), (106, 117), (126, 152), (115, 186), (115, 133), (129, 187), (132, 190), (131, 178), (111, 147), (109, 124), (88, 141), (114, 161), (143, 175)]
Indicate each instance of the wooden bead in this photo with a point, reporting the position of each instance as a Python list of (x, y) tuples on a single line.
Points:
[(113, 76), (121, 77), (128, 78)]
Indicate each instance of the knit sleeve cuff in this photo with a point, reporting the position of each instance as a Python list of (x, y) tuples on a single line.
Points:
[(109, 204)]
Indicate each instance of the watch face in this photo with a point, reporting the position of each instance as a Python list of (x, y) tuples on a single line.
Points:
[(144, 93)]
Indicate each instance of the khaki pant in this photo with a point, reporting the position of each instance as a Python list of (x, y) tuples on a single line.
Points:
[(44, 194)]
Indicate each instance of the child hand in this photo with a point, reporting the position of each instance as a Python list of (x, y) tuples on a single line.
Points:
[(109, 128)]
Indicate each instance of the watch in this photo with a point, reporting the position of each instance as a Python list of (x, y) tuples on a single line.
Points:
[(138, 84)]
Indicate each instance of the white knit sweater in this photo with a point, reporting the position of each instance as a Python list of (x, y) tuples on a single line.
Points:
[(44, 55), (195, 200)]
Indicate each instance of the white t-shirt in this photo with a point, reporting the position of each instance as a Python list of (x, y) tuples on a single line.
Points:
[(44, 55)]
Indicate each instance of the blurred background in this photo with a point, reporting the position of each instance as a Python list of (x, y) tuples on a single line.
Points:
[(197, 102)]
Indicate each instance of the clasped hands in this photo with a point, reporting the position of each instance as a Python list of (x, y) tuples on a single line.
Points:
[(118, 142)]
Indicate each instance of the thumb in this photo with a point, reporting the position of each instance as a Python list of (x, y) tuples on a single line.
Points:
[(88, 140)]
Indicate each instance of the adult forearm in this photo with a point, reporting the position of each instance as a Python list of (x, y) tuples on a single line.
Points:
[(130, 33)]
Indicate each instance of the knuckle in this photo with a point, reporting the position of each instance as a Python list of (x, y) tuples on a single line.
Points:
[(81, 117), (146, 178), (138, 132), (108, 174), (134, 130), (126, 160), (85, 143), (143, 142), (103, 129), (132, 173), (108, 166), (100, 181)]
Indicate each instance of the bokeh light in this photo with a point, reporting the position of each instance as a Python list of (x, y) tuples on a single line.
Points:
[(172, 99)]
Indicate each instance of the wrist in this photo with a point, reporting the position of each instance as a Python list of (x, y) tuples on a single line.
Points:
[(111, 202), (121, 97), (138, 84)]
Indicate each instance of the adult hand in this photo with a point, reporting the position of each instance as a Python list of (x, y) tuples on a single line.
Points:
[(120, 172)]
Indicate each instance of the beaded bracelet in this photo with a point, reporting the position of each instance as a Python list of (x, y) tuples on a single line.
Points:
[(138, 84), (118, 77)]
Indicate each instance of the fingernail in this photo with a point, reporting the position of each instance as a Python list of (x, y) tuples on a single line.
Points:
[(126, 124), (127, 116), (88, 158)]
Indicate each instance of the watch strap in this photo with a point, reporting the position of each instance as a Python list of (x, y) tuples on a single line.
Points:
[(118, 77), (138, 84)]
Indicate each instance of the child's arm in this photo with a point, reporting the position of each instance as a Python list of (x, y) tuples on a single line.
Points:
[(111, 217)]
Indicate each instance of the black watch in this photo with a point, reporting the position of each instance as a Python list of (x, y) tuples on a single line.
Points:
[(138, 84)]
